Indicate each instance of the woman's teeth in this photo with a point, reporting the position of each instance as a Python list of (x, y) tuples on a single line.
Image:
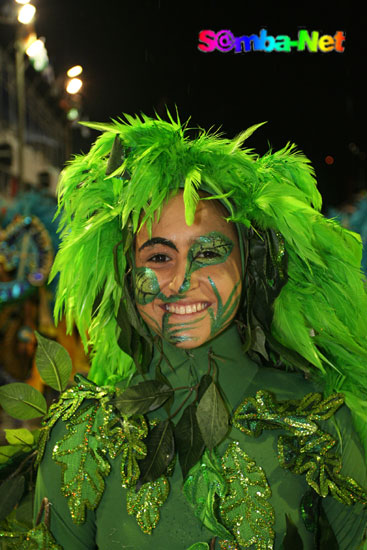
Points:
[(185, 310)]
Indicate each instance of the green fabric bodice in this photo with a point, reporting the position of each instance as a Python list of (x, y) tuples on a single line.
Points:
[(110, 527)]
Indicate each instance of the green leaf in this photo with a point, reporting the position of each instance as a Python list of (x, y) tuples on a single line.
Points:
[(161, 378), (203, 484), (292, 538), (7, 451), (11, 492), (53, 363), (145, 503), (259, 341), (19, 436), (24, 511), (204, 384), (160, 452), (199, 546), (116, 156), (124, 340), (212, 417), (22, 401), (190, 444), (142, 398)]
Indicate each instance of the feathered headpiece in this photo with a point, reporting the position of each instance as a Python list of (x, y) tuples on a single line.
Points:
[(303, 267)]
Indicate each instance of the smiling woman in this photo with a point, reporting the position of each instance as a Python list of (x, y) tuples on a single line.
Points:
[(226, 318)]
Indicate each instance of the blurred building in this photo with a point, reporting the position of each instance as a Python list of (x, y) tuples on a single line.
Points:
[(45, 128)]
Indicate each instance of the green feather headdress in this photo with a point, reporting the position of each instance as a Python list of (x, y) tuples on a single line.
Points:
[(313, 287)]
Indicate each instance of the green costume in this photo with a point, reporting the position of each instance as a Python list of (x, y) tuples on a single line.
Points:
[(257, 457), (109, 525)]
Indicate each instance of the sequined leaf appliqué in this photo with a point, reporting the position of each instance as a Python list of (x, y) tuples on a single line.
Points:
[(69, 402), (38, 538), (202, 487), (95, 432), (83, 463), (296, 416), (246, 509), (125, 435), (145, 503), (306, 449)]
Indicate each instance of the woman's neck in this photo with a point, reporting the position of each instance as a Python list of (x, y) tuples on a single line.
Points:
[(221, 357)]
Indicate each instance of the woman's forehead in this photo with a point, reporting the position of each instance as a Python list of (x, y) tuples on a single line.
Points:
[(209, 217)]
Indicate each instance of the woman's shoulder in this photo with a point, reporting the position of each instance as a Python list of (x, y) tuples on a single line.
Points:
[(285, 384)]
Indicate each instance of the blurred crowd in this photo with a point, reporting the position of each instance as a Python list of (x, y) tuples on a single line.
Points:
[(28, 241)]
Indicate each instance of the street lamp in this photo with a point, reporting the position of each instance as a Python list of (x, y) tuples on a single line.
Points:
[(26, 42), (73, 85)]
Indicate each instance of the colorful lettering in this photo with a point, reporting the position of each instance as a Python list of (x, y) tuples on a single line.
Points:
[(225, 41)]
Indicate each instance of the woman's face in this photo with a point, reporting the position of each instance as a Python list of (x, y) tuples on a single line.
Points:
[(187, 279)]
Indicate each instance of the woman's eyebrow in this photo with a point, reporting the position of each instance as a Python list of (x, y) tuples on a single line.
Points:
[(158, 240)]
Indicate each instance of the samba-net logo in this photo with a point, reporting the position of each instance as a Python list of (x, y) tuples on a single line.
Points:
[(225, 41)]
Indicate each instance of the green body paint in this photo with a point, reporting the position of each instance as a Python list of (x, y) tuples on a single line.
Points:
[(211, 249)]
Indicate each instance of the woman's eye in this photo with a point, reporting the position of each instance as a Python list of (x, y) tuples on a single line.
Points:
[(159, 258), (207, 254)]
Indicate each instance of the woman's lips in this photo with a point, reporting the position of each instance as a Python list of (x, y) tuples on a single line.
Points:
[(186, 309)]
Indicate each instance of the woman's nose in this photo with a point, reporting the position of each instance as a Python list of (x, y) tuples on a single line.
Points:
[(182, 280)]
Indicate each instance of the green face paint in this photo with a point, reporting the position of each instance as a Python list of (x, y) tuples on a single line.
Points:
[(211, 249), (224, 312), (172, 332)]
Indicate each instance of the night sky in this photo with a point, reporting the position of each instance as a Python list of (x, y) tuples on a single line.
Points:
[(143, 55)]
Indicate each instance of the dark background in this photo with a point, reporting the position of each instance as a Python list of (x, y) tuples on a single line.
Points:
[(140, 56)]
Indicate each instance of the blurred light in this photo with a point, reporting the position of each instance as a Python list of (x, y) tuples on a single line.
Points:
[(26, 14), (35, 48), (73, 114), (75, 71), (329, 160), (22, 1), (74, 86), (37, 53), (32, 37), (40, 63)]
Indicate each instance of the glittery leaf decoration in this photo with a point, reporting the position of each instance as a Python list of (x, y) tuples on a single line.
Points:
[(38, 538), (307, 449), (204, 484), (145, 503), (313, 456), (134, 430), (246, 509), (68, 404), (123, 435), (83, 462), (296, 416)]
